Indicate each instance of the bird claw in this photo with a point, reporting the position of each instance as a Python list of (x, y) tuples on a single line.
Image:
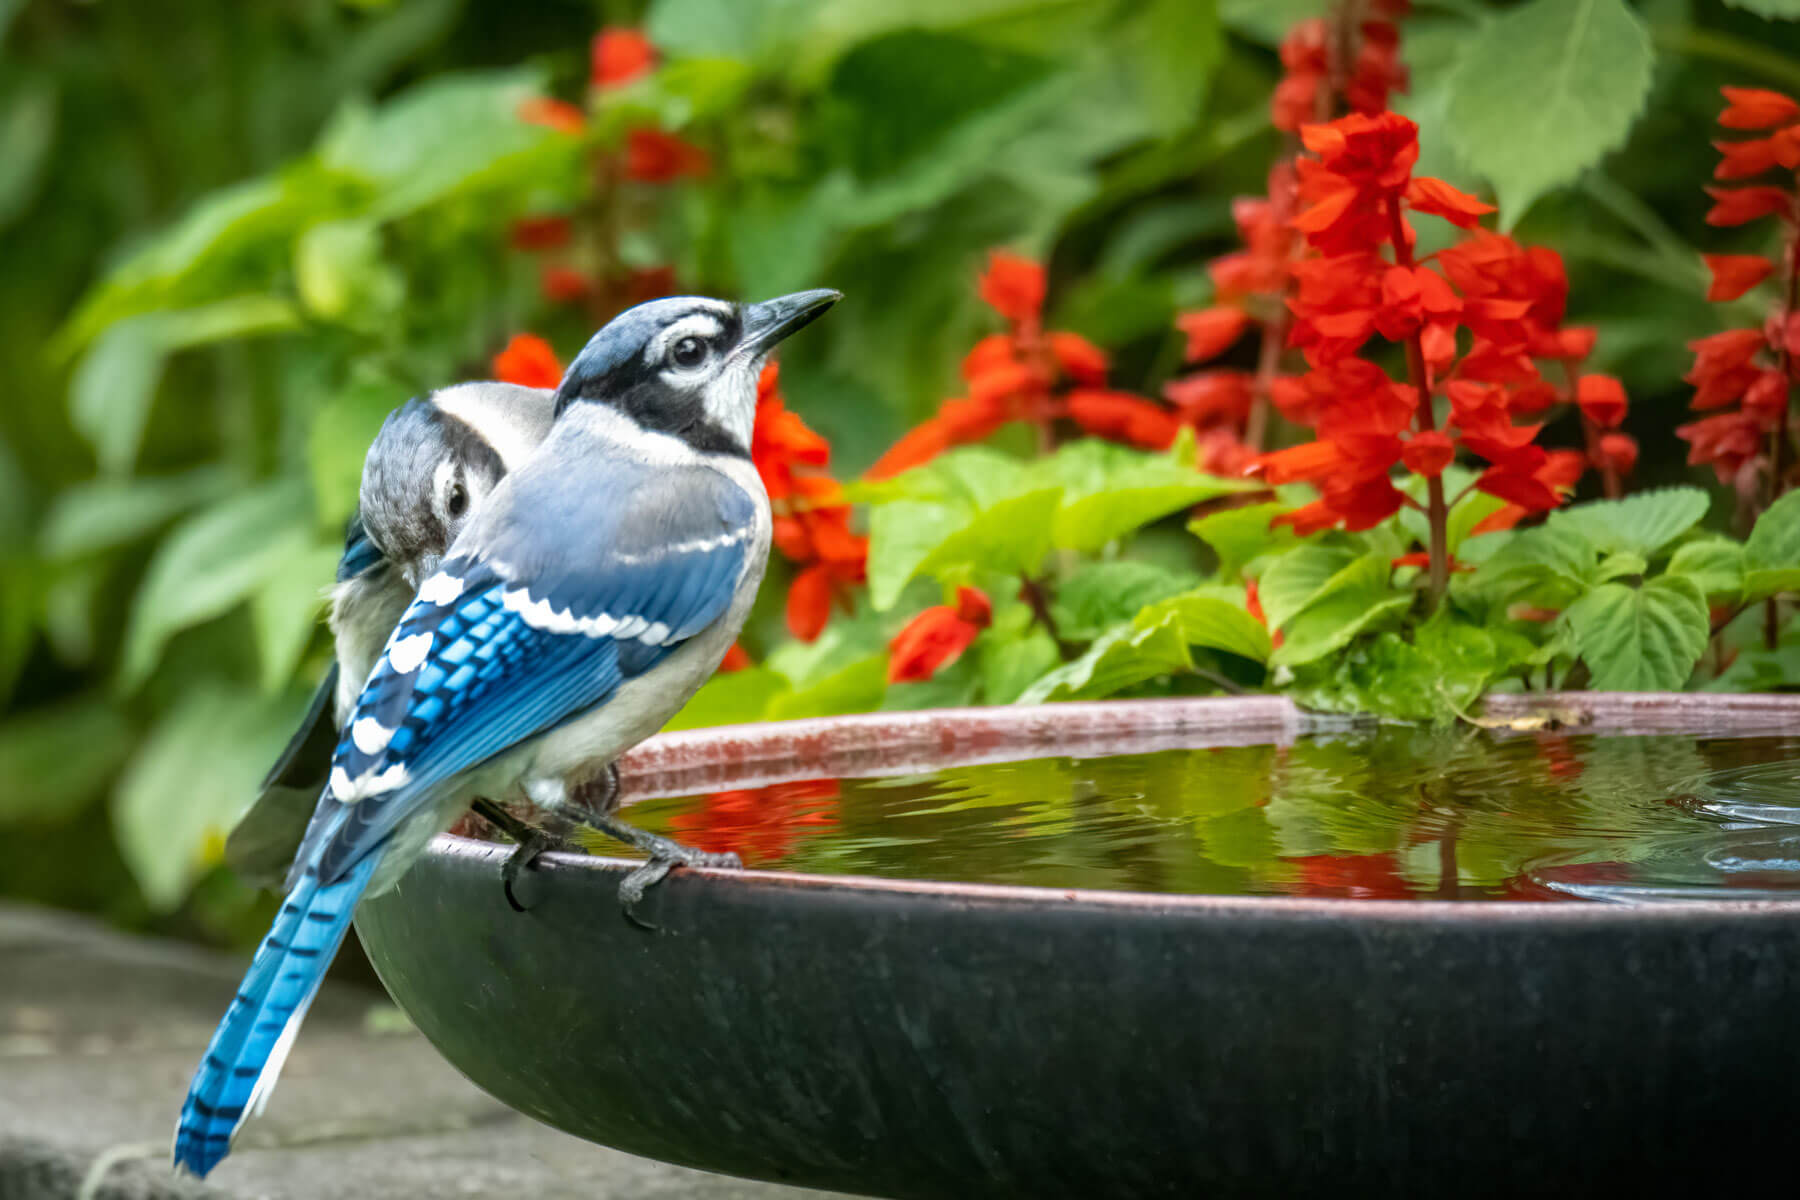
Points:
[(665, 856), (523, 858)]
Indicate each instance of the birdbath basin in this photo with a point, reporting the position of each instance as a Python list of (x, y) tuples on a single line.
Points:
[(1405, 1016)]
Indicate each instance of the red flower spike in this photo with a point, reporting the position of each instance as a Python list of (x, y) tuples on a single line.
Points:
[(1602, 400), (937, 637), (1369, 152), (1079, 358), (1767, 397), (1438, 198), (1212, 398), (528, 361), (620, 56), (1428, 453), (652, 156), (1735, 274), (809, 602), (1740, 206), (539, 233), (1516, 487), (736, 659), (1211, 331), (1123, 418), (1618, 453), (562, 285), (1013, 286), (1757, 108), (557, 115), (1742, 160)]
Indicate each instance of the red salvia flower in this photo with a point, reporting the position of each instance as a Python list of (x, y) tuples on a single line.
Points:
[(761, 825), (539, 233), (620, 56), (1122, 418), (937, 637), (558, 115), (1013, 286), (1740, 206), (563, 285), (1211, 331), (1755, 108), (652, 156), (1735, 274), (736, 659), (1618, 453), (1602, 400), (528, 361)]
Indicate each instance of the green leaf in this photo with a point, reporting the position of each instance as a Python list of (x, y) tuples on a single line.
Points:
[(103, 514), (906, 94), (1621, 565), (211, 562), (1555, 558), (339, 439), (856, 688), (1716, 565), (1443, 670), (953, 686), (1205, 617), (199, 768), (1120, 659), (1009, 665), (285, 611), (1640, 524), (1110, 491), (1640, 639), (1167, 57), (1100, 595), (28, 119), (1545, 91), (111, 390), (448, 135), (1297, 578), (58, 757), (1353, 600), (735, 698), (1774, 542), (1774, 10), (341, 275), (1012, 537), (1267, 21), (1239, 536)]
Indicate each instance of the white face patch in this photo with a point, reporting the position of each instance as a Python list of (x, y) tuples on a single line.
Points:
[(511, 419), (730, 399)]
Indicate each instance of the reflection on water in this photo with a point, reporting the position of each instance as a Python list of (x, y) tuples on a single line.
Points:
[(1393, 813)]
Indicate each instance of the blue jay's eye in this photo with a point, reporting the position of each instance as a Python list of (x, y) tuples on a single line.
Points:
[(459, 499), (688, 352)]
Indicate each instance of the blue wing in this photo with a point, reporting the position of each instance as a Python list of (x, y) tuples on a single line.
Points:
[(547, 606), (361, 554)]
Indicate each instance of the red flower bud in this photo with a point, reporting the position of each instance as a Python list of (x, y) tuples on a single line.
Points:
[(1602, 400), (1211, 331), (1618, 453), (1013, 286), (1735, 274), (620, 56), (1756, 108)]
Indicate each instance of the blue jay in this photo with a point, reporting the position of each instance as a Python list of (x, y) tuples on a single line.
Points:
[(431, 466), (576, 612)]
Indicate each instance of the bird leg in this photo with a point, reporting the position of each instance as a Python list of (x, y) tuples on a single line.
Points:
[(596, 802), (532, 841)]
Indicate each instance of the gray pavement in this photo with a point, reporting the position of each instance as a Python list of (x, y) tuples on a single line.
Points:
[(99, 1031)]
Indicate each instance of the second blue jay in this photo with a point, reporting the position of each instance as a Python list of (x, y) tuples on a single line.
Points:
[(583, 605)]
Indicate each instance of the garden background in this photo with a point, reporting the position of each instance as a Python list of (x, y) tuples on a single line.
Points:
[(237, 235)]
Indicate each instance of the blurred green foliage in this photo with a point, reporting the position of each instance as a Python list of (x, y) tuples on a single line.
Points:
[(238, 235)]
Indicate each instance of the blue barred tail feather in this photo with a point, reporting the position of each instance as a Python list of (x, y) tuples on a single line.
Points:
[(236, 1075)]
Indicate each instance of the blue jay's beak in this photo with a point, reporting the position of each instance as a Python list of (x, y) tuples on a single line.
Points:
[(771, 321)]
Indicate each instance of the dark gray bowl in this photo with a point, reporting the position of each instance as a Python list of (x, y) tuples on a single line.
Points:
[(917, 1040)]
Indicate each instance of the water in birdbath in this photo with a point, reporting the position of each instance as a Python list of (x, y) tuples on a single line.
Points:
[(1393, 813)]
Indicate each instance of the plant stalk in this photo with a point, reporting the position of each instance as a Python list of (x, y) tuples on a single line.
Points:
[(1437, 510)]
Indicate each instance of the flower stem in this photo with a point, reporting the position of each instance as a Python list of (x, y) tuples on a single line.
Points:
[(1778, 437), (1437, 511)]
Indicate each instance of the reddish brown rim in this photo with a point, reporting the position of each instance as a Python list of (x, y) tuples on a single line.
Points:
[(875, 744)]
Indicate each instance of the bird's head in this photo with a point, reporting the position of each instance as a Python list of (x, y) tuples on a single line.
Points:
[(437, 458), (687, 366)]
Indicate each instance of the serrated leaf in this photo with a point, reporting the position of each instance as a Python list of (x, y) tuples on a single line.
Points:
[(192, 777), (1127, 656), (1009, 665), (1203, 617), (1716, 565), (1774, 542), (1640, 639), (1545, 91), (1110, 491), (1620, 565), (210, 563), (1011, 537), (1239, 536), (1297, 578), (1557, 558), (1444, 669), (1763, 582), (1355, 599), (1100, 595), (1640, 524)]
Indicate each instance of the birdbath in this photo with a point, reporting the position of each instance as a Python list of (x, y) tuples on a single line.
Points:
[(1413, 1015)]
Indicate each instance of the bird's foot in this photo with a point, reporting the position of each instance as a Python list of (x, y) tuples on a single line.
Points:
[(522, 862), (665, 855)]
